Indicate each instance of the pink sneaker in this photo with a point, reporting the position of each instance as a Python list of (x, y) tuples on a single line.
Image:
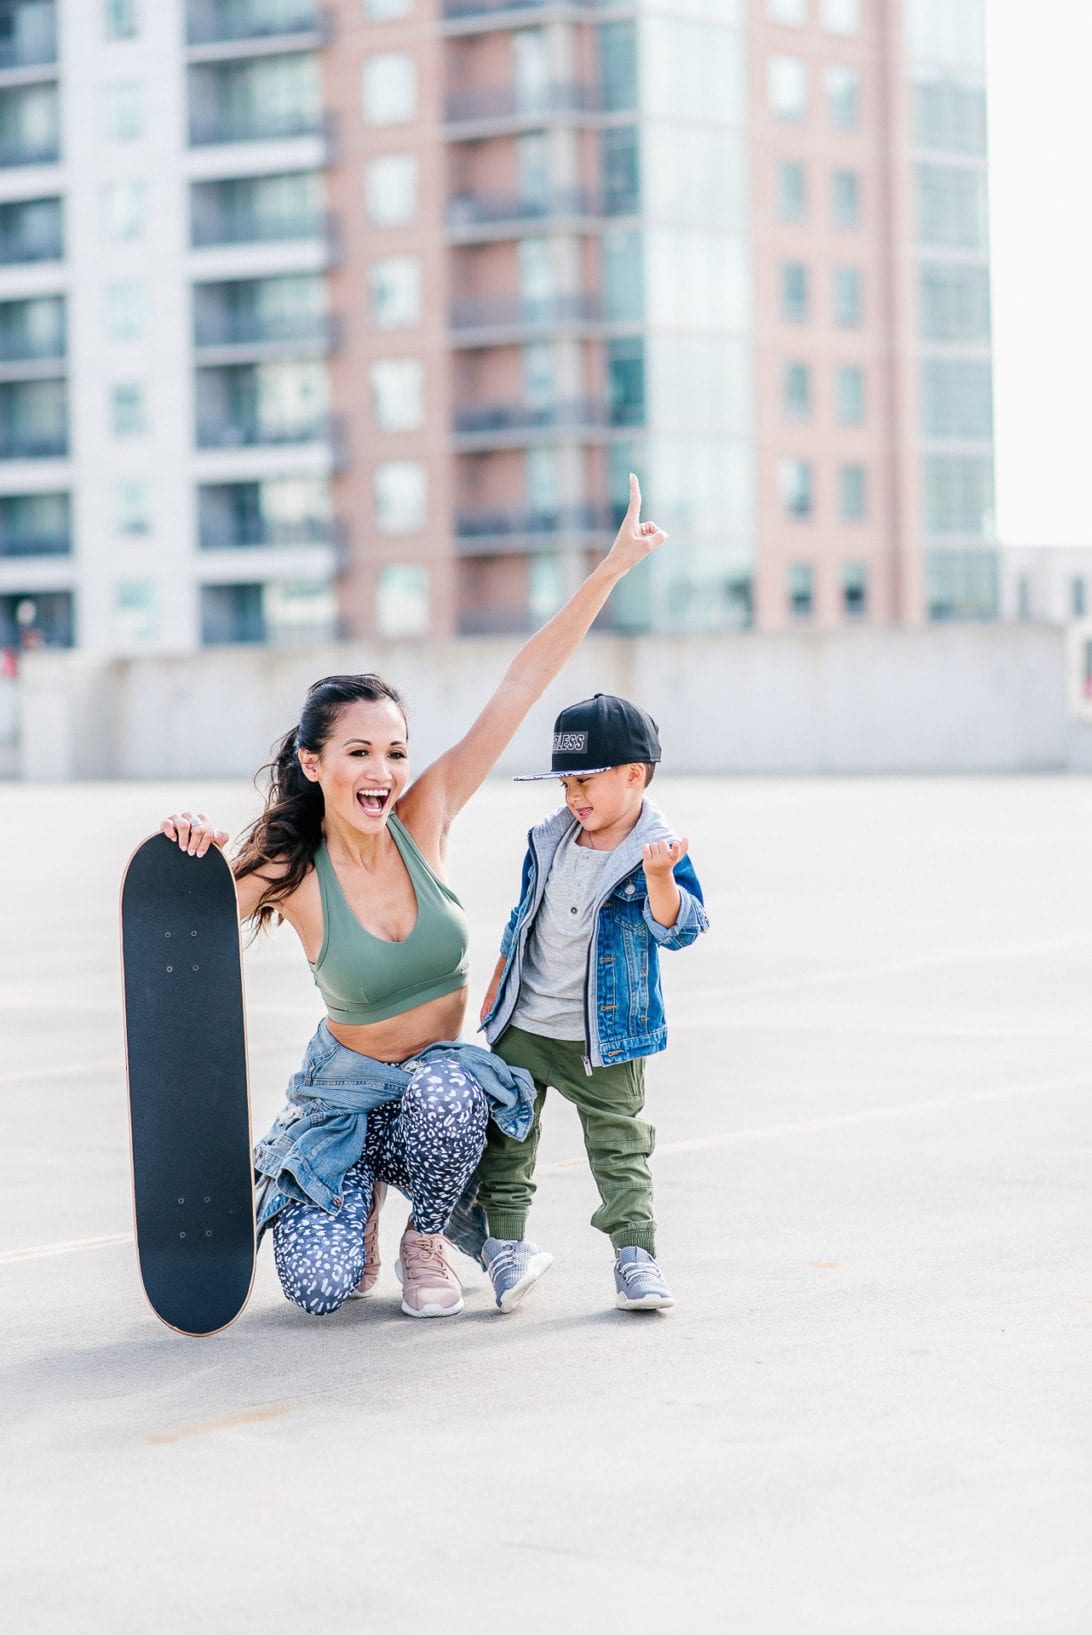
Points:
[(429, 1286), (367, 1283)]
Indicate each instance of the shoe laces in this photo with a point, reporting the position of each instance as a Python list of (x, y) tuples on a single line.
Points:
[(630, 1269), (424, 1252)]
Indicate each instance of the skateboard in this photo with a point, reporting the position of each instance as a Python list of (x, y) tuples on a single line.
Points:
[(186, 1065)]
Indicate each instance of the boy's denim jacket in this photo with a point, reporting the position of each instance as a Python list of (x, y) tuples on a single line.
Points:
[(624, 1007), (320, 1134)]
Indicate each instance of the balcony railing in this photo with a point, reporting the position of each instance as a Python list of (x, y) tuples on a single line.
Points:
[(475, 419), (239, 533), (17, 248), (32, 348), (484, 524), (313, 331), (456, 10), (218, 125), (27, 150), (519, 312), (510, 102), (220, 21), (33, 445), (207, 229), (486, 209), (35, 544), (248, 431)]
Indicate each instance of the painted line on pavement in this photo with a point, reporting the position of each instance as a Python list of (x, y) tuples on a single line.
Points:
[(77, 1246), (762, 1132), (227, 1422)]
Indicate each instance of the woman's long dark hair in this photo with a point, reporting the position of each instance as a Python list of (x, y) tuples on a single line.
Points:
[(289, 831)]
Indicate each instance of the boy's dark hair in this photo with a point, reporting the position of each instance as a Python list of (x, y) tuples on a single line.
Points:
[(650, 771)]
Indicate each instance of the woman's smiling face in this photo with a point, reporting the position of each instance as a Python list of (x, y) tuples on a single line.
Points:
[(363, 767)]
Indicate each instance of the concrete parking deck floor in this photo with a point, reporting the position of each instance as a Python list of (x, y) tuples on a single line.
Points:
[(868, 1412)]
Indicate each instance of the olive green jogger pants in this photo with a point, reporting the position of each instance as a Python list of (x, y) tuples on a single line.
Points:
[(617, 1139)]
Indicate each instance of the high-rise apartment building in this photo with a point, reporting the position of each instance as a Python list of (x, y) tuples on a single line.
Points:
[(356, 316)]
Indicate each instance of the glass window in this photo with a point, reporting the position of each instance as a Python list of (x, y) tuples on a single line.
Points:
[(390, 189), (618, 65), (956, 397), (950, 116), (626, 381), (792, 12), (135, 614), (848, 300), (840, 16), (30, 230), (853, 481), (545, 586), (128, 410), (401, 497), (787, 86), (397, 394), (402, 600), (796, 395), (390, 88), (530, 69), (383, 11), (958, 494), (854, 590), (801, 590), (537, 374), (955, 302), (395, 292), (123, 110), (125, 209), (794, 291), (297, 611), (232, 613), (962, 584), (849, 393), (794, 481), (955, 35), (1077, 598), (951, 207), (792, 190), (623, 276), (542, 480), (120, 19), (846, 198), (127, 309), (843, 88), (620, 168), (132, 508)]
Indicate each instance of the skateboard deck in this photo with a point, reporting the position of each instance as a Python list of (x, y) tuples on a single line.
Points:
[(189, 1106)]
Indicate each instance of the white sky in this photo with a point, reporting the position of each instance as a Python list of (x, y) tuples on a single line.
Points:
[(1040, 95)]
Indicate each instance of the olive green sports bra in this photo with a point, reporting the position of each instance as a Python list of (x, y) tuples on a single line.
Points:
[(364, 978)]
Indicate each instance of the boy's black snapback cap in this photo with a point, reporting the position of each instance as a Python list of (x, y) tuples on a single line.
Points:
[(599, 733)]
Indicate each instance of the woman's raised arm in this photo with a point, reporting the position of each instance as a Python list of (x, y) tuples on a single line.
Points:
[(446, 786)]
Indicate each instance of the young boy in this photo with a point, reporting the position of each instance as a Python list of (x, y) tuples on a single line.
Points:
[(576, 996)]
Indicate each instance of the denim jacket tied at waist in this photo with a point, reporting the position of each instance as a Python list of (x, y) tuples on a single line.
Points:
[(320, 1133)]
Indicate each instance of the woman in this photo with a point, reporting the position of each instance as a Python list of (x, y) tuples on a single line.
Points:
[(351, 854)]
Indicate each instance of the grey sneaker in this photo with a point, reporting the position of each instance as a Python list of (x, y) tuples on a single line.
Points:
[(514, 1266), (638, 1282)]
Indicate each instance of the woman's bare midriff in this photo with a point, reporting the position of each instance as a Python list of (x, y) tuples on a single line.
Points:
[(400, 1037)]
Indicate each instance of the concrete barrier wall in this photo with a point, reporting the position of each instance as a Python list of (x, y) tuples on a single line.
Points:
[(949, 699)]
